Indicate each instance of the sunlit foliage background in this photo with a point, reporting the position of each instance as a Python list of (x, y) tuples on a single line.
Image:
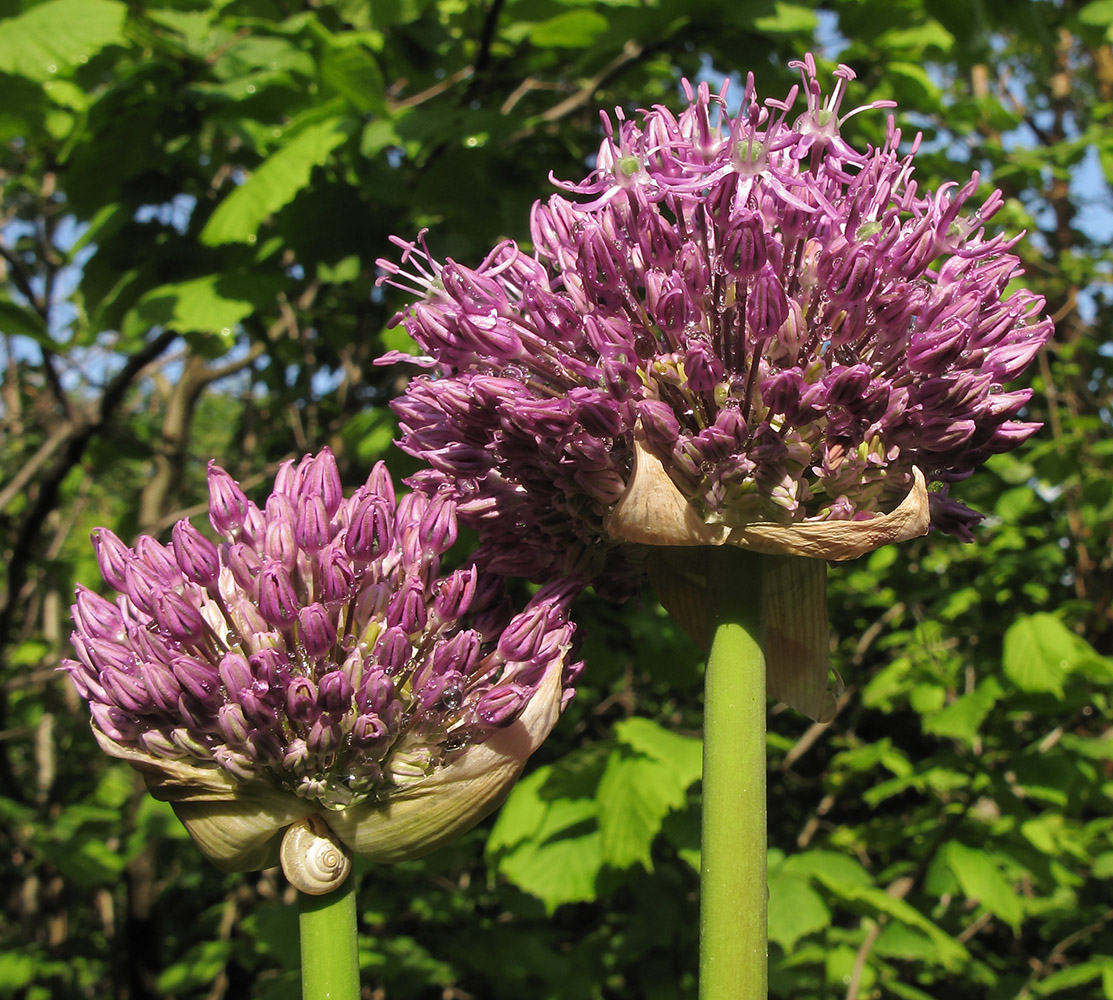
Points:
[(193, 198)]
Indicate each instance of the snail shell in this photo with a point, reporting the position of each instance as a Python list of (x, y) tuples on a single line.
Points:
[(312, 858)]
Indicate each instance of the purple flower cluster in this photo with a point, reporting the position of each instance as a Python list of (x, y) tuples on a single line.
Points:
[(317, 646), (787, 321)]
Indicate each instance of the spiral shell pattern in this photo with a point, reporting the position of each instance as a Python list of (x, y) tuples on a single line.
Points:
[(314, 861)]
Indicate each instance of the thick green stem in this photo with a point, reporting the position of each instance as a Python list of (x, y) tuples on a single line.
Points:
[(329, 956), (733, 883)]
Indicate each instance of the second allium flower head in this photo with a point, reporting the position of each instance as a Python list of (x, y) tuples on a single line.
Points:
[(783, 321), (317, 661)]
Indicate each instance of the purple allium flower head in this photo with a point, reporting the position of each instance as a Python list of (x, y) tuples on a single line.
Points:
[(319, 661), (783, 321)]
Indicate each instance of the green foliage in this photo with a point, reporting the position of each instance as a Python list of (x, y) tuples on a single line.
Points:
[(194, 195)]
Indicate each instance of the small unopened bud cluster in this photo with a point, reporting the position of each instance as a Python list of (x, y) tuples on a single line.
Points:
[(316, 643)]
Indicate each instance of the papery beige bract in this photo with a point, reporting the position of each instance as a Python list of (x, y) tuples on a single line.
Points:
[(239, 825), (652, 512)]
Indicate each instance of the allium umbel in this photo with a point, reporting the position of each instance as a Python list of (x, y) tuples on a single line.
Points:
[(739, 330), (317, 662)]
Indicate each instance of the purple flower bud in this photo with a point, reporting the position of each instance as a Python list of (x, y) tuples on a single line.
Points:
[(113, 557), (336, 576), (233, 724), (259, 710), (501, 705), (846, 386), (197, 678), (455, 595), (235, 674), (324, 736), (660, 424), (318, 633), (377, 694), (458, 655), (126, 691), (766, 307), (141, 586), (157, 559), (371, 530), (178, 616), (381, 484), (278, 601), (407, 608), (96, 616), (323, 480), (744, 251), (301, 701), (393, 650), (312, 528), (227, 503), (334, 692), (264, 746), (521, 639), (115, 723), (369, 731), (245, 564), (953, 517), (279, 541), (445, 690), (195, 554)]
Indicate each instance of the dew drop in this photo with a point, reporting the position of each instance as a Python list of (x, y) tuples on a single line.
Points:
[(456, 741), (452, 697), (51, 68)]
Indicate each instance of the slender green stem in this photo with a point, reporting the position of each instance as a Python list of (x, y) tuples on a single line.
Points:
[(329, 956), (733, 883)]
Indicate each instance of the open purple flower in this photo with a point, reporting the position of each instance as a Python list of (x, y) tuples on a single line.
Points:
[(738, 329), (316, 663)]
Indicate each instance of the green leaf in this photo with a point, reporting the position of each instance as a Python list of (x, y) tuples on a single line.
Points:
[(914, 83), (1039, 653), (198, 967), (1075, 975), (53, 37), (353, 72), (546, 839), (789, 18), (635, 795), (918, 37), (213, 304), (829, 867), (17, 970), (574, 29), (1099, 14), (1013, 504), (962, 719), (20, 321), (795, 910), (683, 754), (847, 879), (981, 880), (274, 184)]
